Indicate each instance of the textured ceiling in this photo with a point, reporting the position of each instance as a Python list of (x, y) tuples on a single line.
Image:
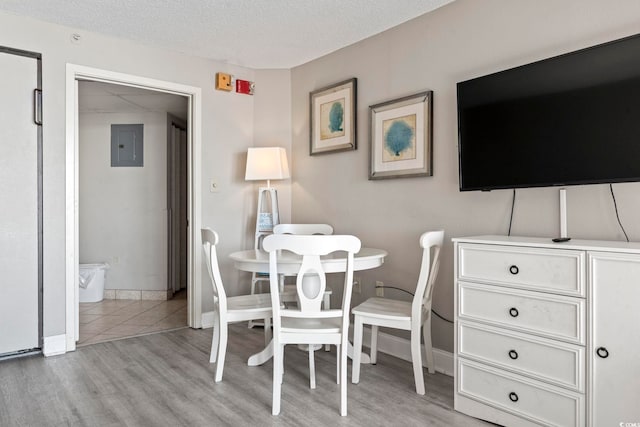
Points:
[(252, 33), (96, 97)]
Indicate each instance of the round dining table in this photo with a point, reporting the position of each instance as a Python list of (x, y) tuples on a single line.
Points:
[(257, 261)]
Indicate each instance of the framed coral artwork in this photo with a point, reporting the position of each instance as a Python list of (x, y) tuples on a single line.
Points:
[(400, 140), (333, 118)]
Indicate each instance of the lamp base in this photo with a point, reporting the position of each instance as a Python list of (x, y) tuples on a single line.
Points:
[(266, 220)]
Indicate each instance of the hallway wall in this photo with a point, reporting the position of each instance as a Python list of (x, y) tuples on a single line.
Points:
[(123, 210)]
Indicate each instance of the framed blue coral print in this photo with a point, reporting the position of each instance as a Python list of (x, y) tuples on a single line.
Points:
[(333, 118), (400, 140)]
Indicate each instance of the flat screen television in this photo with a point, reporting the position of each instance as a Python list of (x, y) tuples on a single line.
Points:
[(568, 120)]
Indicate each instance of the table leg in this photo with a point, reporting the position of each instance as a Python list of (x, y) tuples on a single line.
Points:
[(261, 357), (364, 358)]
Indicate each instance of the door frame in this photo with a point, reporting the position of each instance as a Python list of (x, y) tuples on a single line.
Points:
[(74, 73)]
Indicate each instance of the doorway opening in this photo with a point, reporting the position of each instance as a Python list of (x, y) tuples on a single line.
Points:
[(75, 75), (132, 211)]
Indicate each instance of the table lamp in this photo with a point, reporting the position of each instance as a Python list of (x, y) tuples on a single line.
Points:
[(266, 163)]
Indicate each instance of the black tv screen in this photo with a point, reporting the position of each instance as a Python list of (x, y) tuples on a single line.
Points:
[(568, 120)]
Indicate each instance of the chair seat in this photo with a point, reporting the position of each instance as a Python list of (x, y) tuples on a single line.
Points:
[(384, 308), (255, 302), (315, 326)]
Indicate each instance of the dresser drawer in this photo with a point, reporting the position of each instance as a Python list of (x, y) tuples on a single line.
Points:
[(552, 316), (533, 400), (548, 360), (558, 271)]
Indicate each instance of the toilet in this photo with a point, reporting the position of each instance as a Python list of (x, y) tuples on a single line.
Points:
[(91, 282)]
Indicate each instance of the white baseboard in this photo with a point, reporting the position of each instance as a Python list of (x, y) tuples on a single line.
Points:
[(137, 294), (387, 343), (207, 320), (54, 345)]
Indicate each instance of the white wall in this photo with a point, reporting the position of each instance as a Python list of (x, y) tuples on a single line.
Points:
[(272, 128), (123, 210), (227, 131), (462, 40)]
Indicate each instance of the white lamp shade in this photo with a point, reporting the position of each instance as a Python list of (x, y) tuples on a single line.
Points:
[(265, 163)]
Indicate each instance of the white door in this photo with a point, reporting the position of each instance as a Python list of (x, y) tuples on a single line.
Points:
[(19, 306), (614, 347)]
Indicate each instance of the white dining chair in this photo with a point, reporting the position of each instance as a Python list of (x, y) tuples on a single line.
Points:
[(288, 293), (308, 323), (230, 309), (409, 316)]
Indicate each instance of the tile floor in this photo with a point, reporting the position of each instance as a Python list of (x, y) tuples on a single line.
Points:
[(113, 319)]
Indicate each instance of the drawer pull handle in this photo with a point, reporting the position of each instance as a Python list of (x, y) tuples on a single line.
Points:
[(513, 397), (602, 352), (513, 354), (514, 269), (513, 312)]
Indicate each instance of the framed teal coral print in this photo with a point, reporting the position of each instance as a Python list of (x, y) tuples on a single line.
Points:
[(333, 118), (400, 140)]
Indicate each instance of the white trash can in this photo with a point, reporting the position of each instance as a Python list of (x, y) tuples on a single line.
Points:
[(91, 281)]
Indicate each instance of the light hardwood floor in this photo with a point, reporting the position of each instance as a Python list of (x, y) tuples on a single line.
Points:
[(165, 379)]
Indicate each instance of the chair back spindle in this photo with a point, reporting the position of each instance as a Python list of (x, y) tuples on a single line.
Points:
[(311, 274), (209, 241), (431, 243)]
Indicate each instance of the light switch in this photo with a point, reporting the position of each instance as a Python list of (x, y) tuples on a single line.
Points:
[(213, 186)]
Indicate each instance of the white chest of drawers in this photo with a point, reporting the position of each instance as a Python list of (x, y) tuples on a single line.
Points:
[(546, 333)]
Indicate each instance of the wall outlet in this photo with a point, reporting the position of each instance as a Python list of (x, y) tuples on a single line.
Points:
[(379, 288), (357, 286)]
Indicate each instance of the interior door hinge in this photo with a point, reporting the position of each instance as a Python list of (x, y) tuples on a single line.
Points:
[(37, 106)]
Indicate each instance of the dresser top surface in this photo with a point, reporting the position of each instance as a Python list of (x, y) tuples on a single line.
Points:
[(546, 242)]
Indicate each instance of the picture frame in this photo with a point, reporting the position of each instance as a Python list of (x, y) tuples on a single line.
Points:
[(333, 118), (401, 137)]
